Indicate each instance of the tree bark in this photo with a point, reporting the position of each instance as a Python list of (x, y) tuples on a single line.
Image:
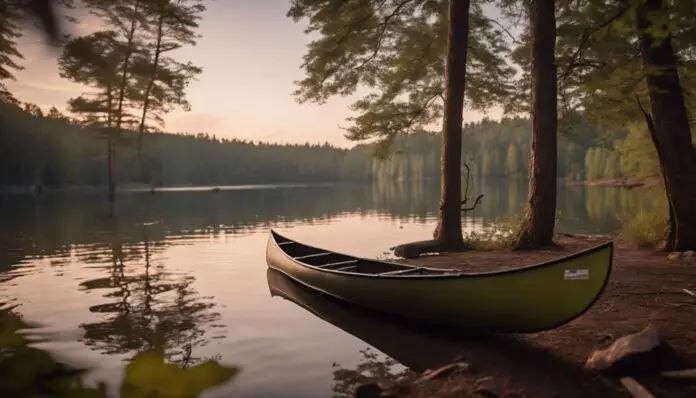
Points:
[(449, 233), (672, 134), (538, 228)]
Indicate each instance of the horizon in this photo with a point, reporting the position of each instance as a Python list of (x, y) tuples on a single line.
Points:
[(261, 64)]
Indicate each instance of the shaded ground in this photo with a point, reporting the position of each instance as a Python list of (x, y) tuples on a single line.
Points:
[(644, 288)]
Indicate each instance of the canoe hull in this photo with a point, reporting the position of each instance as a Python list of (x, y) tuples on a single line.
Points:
[(525, 300)]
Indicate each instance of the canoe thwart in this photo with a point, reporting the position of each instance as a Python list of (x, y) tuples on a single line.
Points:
[(339, 263), (402, 271), (313, 255)]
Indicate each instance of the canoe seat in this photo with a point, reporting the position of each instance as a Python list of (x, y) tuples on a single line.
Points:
[(354, 262), (314, 255), (401, 271)]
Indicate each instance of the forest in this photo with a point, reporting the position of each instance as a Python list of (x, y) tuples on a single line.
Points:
[(49, 149), (590, 90)]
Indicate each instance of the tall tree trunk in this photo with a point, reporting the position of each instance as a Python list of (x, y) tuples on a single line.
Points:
[(671, 125), (153, 77), (122, 94), (541, 209), (449, 234)]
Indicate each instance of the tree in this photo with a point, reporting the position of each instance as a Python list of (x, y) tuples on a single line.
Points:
[(512, 161), (449, 234), (613, 67), (94, 60), (164, 80), (397, 49), (540, 220), (668, 121)]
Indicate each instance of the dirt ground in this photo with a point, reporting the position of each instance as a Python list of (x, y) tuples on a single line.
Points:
[(645, 287)]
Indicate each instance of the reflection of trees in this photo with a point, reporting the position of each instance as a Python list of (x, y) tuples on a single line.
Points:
[(373, 367), (56, 223), (152, 309)]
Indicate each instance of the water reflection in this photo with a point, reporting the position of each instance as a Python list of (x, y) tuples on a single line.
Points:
[(50, 225), (152, 309)]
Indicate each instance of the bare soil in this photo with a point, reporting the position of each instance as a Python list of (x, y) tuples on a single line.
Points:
[(645, 287)]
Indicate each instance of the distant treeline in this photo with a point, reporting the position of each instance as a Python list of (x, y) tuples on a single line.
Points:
[(53, 151)]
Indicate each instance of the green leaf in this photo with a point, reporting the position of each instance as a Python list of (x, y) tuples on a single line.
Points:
[(149, 376)]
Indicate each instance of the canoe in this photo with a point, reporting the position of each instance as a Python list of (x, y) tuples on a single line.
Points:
[(520, 300)]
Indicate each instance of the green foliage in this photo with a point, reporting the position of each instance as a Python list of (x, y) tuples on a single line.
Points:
[(637, 154), (26, 371), (147, 375), (649, 225), (500, 233), (395, 51), (54, 151)]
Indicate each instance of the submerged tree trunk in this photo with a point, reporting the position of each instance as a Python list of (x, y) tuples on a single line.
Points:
[(449, 233), (672, 135), (538, 228)]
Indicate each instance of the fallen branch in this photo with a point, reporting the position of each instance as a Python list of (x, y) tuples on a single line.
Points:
[(444, 371), (635, 388), (680, 374)]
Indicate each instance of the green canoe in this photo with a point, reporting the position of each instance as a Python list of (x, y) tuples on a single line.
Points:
[(521, 300)]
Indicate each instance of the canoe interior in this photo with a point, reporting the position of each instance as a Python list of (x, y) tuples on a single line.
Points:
[(328, 260)]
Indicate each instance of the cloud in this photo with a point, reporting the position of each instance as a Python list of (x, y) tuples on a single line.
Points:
[(66, 87)]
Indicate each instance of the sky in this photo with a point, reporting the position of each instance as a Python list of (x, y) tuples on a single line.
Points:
[(250, 53)]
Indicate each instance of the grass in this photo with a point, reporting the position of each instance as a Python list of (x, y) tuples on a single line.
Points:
[(645, 229), (648, 225), (500, 234)]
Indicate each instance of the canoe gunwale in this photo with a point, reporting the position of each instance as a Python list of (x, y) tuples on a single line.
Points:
[(442, 272)]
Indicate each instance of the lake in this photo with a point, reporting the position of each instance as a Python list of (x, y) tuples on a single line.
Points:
[(186, 268)]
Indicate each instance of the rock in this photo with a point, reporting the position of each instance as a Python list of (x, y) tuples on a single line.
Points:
[(643, 351), (673, 256), (485, 387), (367, 390), (689, 254)]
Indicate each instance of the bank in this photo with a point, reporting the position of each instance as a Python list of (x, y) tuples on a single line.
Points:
[(646, 288)]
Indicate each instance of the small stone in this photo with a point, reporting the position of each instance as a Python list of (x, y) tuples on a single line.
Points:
[(367, 390), (688, 254), (673, 256)]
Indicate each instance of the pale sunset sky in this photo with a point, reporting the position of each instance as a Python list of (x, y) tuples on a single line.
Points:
[(250, 53)]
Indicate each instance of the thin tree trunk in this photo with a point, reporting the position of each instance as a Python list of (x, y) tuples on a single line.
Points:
[(111, 185), (449, 234), (671, 125), (121, 96), (153, 77), (541, 210)]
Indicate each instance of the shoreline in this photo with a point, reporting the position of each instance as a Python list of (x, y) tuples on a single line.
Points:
[(627, 183), (645, 288)]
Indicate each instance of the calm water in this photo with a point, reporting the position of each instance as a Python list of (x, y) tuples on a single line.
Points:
[(186, 270)]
